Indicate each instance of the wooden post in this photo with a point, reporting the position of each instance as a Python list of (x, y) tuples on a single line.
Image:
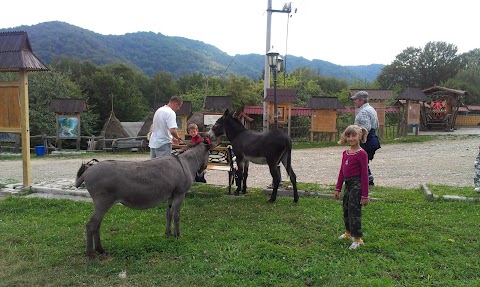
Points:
[(289, 119), (24, 117)]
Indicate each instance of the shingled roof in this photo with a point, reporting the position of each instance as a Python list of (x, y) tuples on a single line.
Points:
[(375, 94), (218, 103), (438, 89), (325, 103), (414, 94), (16, 53), (283, 96), (68, 106)]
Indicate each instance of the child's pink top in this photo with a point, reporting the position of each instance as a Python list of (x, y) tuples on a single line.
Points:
[(355, 164)]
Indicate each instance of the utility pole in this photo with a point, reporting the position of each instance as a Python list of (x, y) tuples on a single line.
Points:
[(287, 8)]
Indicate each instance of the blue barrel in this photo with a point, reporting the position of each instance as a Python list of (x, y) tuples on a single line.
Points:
[(40, 150)]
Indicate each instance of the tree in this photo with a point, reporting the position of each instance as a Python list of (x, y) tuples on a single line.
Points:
[(74, 69), (414, 67), (45, 86), (112, 92), (403, 72), (243, 92), (437, 63), (162, 87), (468, 79), (188, 82), (304, 81)]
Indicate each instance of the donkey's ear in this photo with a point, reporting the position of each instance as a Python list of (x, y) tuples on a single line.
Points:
[(226, 113)]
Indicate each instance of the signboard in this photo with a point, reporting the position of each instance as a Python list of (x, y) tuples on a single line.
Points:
[(10, 108), (210, 119), (413, 117), (68, 126), (282, 110)]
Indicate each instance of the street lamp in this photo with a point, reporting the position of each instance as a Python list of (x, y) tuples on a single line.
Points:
[(275, 63)]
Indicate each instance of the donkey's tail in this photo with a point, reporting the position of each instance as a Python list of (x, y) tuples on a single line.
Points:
[(81, 171)]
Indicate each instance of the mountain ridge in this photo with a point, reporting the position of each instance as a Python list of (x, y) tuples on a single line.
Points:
[(155, 52)]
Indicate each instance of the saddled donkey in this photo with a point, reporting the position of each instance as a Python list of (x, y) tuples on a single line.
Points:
[(140, 185), (260, 148)]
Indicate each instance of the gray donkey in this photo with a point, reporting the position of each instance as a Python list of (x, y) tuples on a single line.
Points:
[(140, 185)]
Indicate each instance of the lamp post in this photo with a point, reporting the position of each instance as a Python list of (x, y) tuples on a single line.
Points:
[(275, 63)]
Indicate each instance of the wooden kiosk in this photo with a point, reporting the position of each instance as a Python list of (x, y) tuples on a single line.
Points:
[(16, 55), (68, 119), (285, 98), (441, 108), (412, 97), (324, 116)]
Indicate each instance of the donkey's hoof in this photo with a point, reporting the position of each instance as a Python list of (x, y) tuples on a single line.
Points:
[(271, 200), (90, 255)]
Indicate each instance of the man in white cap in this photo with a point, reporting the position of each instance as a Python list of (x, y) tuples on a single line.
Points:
[(367, 118)]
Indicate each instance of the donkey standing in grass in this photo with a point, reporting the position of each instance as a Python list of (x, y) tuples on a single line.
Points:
[(260, 148), (140, 185)]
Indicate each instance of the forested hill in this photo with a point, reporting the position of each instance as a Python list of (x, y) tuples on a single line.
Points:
[(151, 52)]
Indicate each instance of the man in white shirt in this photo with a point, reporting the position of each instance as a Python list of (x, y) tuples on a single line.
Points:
[(164, 131)]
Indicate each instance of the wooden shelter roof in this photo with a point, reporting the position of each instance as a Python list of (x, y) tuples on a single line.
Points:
[(283, 96), (68, 106), (218, 103), (325, 103), (443, 90), (186, 108), (414, 94), (375, 94), (16, 53)]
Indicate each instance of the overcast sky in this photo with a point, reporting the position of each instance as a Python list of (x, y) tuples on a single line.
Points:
[(348, 32)]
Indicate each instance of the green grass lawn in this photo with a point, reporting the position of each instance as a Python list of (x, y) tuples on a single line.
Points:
[(244, 241)]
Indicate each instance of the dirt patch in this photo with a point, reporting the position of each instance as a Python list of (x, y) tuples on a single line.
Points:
[(444, 161)]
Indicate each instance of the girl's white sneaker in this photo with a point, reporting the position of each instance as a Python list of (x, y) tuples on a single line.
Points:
[(356, 243), (345, 236)]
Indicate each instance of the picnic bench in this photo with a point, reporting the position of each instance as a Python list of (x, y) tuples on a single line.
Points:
[(131, 144), (220, 158)]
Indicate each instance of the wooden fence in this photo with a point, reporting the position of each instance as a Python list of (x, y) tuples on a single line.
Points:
[(468, 120)]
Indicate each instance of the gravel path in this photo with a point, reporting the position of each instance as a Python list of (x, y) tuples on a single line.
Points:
[(444, 161)]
